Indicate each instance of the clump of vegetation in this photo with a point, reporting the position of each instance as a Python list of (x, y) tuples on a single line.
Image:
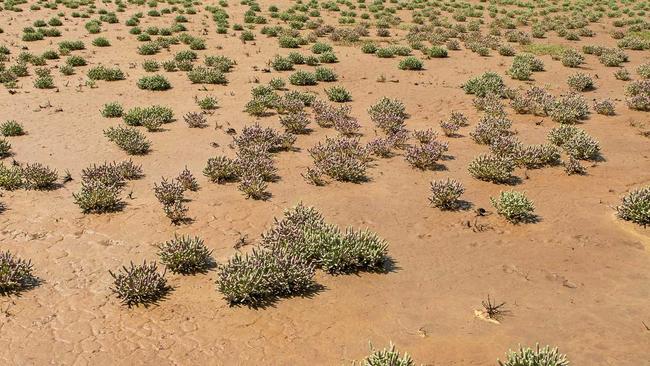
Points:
[(341, 158), (11, 128), (604, 107), (410, 63), (263, 276), (207, 103), (154, 82), (445, 194), (220, 169), (546, 356), (635, 206), (15, 274), (514, 206), (569, 109), (139, 284), (638, 95), (575, 141), (425, 155), (195, 120), (491, 168), (38, 177), (303, 231), (572, 58), (388, 114), (128, 139), (338, 94), (488, 83), (580, 82), (112, 110), (105, 73), (185, 254), (388, 357)]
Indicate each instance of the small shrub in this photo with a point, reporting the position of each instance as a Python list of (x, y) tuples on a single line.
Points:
[(112, 110), (263, 276), (338, 94), (491, 168), (410, 63), (514, 206), (425, 156), (39, 177), (342, 159), (635, 206), (302, 78), (538, 357), (105, 73), (638, 95), (185, 255), (128, 139), (488, 83), (572, 58), (220, 169), (207, 103), (437, 52), (445, 194), (96, 196), (15, 274), (155, 82), (604, 107), (580, 82), (139, 284), (388, 114), (11, 128), (388, 357)]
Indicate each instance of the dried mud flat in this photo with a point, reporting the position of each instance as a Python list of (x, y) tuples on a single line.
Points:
[(578, 278)]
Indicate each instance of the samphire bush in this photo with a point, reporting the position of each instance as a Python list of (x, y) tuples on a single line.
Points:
[(139, 284), (15, 274), (154, 82), (290, 252), (514, 206), (487, 83), (445, 194), (388, 114), (128, 139), (492, 168), (341, 158), (527, 356), (575, 141), (389, 356), (185, 254), (635, 206)]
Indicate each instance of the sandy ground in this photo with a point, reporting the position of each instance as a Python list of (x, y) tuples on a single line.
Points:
[(578, 279)]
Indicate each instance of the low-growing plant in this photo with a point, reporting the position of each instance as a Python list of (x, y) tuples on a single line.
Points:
[(264, 275), (220, 169), (195, 120), (514, 206), (15, 274), (605, 107), (128, 139), (207, 103), (487, 83), (302, 78), (389, 356), (112, 110), (185, 255), (580, 82), (11, 128), (388, 114), (426, 155), (410, 63), (338, 94), (38, 177), (340, 158), (491, 168), (635, 206), (445, 194), (638, 95), (154, 82), (546, 356), (139, 284)]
